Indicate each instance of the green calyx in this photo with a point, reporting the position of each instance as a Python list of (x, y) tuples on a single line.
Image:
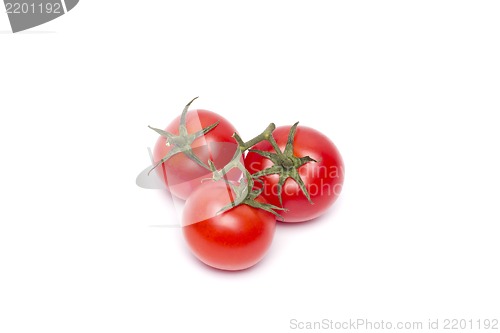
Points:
[(182, 143), (286, 164), (245, 194)]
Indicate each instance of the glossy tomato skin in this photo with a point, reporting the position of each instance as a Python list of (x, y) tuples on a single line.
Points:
[(182, 175), (323, 179), (234, 240)]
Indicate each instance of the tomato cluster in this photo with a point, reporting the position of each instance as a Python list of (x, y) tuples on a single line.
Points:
[(236, 190)]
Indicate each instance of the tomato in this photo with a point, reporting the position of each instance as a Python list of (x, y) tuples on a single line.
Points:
[(181, 174), (236, 239), (323, 178)]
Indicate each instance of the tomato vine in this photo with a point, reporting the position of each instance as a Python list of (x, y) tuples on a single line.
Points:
[(285, 165)]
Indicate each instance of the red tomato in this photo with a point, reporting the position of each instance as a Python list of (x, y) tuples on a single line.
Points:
[(233, 240), (323, 179), (181, 174)]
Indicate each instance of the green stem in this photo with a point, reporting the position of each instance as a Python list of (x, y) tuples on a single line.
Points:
[(243, 146), (286, 165), (265, 135)]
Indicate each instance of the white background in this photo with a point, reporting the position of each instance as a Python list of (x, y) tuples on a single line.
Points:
[(408, 91)]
